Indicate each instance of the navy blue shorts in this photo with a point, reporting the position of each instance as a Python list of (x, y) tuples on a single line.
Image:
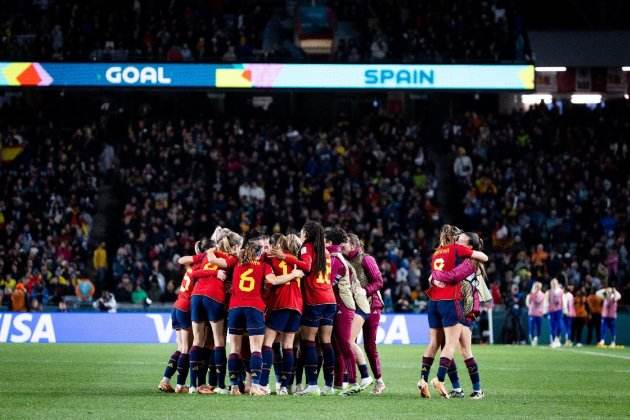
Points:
[(445, 313), (205, 309), (284, 320), (319, 315), (362, 314), (180, 320), (250, 319)]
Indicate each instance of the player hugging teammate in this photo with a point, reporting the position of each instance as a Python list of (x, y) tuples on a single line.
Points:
[(457, 287), (320, 287)]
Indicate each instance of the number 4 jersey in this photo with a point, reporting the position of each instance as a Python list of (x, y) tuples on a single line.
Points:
[(247, 285)]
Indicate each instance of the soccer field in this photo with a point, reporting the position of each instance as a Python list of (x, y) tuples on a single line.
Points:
[(119, 382)]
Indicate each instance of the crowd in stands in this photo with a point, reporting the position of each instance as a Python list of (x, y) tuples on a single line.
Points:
[(550, 192), (194, 30), (546, 190), (47, 201), (434, 31), (185, 178)]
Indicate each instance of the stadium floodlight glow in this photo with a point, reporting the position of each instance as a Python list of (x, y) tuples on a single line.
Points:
[(544, 69), (535, 98), (625, 68), (586, 98), (626, 96)]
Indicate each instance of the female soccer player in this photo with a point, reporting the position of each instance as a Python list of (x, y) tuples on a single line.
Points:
[(182, 324), (346, 309), (609, 315), (445, 309), (283, 317), (369, 277), (247, 312), (568, 312), (535, 302), (554, 298), (319, 304), (208, 305), (472, 295)]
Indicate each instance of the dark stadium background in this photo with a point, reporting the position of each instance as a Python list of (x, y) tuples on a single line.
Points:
[(551, 175)]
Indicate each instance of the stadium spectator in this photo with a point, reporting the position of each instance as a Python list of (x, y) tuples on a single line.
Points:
[(18, 299), (463, 167), (124, 290), (99, 263), (139, 296)]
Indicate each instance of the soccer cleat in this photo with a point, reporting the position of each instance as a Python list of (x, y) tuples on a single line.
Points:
[(423, 387), (192, 390), (298, 388), (612, 345), (568, 343), (205, 389), (282, 391), (235, 391), (352, 389), (258, 391), (310, 390), (365, 382), (440, 388), (379, 388), (181, 389), (328, 390), (477, 395), (601, 345), (221, 391), (165, 387), (456, 394), (277, 387)]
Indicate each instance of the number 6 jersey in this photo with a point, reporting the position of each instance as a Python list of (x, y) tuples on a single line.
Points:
[(247, 285)]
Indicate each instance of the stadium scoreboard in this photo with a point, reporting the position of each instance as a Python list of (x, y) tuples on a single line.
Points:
[(513, 77)]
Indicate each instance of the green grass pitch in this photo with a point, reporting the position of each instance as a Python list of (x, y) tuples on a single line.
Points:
[(119, 382)]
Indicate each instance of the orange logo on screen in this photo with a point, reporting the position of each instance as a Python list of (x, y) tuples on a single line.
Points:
[(24, 74)]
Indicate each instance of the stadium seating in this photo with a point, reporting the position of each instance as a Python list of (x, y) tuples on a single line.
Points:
[(359, 30), (545, 209)]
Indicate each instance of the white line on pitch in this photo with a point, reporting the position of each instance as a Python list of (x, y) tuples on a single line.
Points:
[(593, 353)]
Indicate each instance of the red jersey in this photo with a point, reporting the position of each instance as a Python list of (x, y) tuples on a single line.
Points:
[(318, 289), (185, 293), (207, 283), (288, 295), (247, 285), (446, 258)]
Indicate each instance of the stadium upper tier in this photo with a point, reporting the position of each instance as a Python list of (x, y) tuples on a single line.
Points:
[(250, 31)]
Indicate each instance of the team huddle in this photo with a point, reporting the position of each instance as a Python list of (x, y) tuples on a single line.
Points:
[(294, 304), (298, 304)]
